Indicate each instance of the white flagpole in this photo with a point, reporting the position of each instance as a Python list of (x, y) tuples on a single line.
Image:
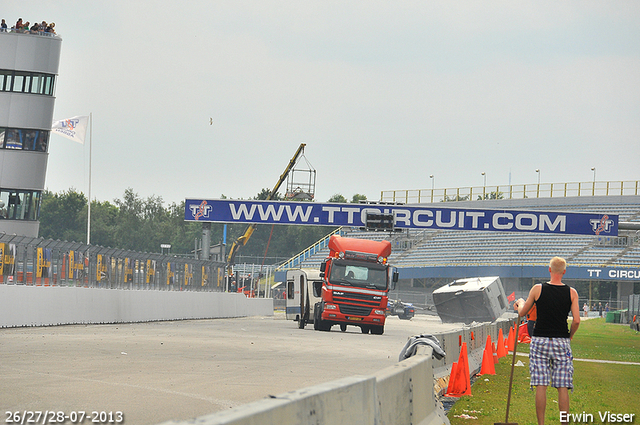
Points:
[(89, 207)]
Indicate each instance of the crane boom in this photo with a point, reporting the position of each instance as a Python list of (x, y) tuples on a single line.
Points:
[(242, 240)]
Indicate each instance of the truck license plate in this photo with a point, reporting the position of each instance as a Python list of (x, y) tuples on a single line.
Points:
[(355, 319)]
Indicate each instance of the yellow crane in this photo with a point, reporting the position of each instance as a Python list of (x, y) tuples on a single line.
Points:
[(242, 240)]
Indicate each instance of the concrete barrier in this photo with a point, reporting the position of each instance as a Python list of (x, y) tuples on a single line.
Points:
[(476, 337), (404, 393), (43, 306), (347, 401), (400, 394)]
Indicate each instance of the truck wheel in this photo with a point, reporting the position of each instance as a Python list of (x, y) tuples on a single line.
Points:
[(325, 326), (343, 327), (377, 330), (318, 323), (316, 317), (364, 329)]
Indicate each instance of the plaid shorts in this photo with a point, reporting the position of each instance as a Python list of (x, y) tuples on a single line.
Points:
[(551, 359)]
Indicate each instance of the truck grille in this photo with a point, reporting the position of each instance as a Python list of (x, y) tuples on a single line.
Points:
[(354, 309), (354, 297)]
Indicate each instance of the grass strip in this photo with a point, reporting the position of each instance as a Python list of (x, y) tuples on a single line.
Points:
[(599, 387)]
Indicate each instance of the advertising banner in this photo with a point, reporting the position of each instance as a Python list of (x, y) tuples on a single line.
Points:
[(151, 272), (43, 264), (609, 273), (188, 274), (98, 267), (170, 273), (204, 276), (128, 270), (404, 216), (72, 265)]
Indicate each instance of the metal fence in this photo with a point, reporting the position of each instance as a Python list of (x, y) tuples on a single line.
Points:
[(544, 190), (46, 262)]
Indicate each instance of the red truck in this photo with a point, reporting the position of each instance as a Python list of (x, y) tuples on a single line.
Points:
[(354, 282)]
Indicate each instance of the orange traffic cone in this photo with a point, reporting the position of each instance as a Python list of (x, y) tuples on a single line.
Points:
[(501, 350), (460, 381), (466, 376), (487, 345), (488, 367), (495, 353), (452, 379)]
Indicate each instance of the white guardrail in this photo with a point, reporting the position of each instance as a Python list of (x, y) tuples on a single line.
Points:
[(401, 394)]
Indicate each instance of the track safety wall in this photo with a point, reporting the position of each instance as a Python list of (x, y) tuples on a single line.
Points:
[(44, 306), (402, 394)]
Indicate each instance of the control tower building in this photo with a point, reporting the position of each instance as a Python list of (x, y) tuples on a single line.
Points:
[(28, 69)]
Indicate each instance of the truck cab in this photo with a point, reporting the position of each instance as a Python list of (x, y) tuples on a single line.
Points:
[(356, 279)]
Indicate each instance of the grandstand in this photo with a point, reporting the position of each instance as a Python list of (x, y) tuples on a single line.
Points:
[(426, 259)]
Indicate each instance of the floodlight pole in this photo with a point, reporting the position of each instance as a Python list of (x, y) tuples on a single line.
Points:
[(484, 187), (89, 205), (432, 185)]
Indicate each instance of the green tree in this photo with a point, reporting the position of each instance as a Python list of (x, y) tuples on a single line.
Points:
[(338, 198), (264, 194), (455, 198), (357, 198), (130, 213), (104, 223), (492, 195), (63, 216), (179, 233)]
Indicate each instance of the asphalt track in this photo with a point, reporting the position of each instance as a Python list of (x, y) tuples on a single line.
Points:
[(160, 371)]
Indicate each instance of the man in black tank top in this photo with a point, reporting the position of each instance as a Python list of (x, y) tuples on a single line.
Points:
[(550, 358)]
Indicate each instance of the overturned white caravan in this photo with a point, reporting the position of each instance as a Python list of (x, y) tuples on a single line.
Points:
[(476, 299)]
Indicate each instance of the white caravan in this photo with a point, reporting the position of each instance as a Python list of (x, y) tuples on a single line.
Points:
[(303, 291)]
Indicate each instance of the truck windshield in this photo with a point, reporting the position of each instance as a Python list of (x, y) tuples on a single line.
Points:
[(359, 274)]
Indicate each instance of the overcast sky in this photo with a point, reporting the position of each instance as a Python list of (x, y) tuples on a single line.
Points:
[(384, 94)]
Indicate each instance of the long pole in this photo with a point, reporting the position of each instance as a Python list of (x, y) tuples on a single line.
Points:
[(513, 363), (89, 206)]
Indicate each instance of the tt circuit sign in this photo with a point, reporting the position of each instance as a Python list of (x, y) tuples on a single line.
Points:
[(403, 216), (611, 273)]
